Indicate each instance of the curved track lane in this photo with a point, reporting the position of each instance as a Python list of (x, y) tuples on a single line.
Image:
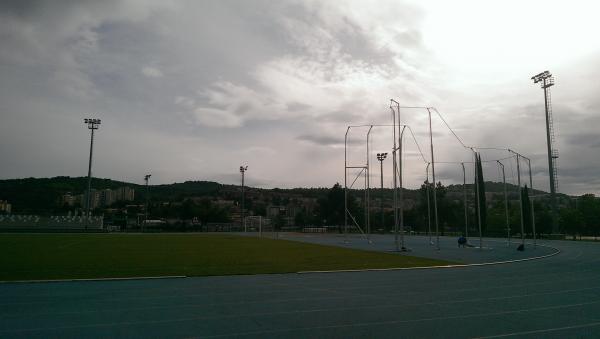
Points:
[(554, 297)]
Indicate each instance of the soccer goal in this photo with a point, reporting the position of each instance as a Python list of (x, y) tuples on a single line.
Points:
[(257, 223)]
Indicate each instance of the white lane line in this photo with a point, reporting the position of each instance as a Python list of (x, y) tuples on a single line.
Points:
[(314, 310), (185, 319), (391, 322), (557, 251), (92, 279), (541, 331)]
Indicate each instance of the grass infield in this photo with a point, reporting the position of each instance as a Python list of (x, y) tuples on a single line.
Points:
[(78, 256)]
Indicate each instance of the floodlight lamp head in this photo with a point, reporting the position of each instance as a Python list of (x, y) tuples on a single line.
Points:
[(92, 123), (541, 77)]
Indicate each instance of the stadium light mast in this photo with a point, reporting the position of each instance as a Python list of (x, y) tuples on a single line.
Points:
[(92, 124), (546, 81), (381, 157), (146, 178), (243, 170)]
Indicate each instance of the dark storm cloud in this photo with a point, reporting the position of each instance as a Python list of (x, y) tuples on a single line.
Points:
[(191, 89)]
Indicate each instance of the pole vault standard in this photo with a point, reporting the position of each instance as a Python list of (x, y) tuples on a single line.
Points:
[(364, 171)]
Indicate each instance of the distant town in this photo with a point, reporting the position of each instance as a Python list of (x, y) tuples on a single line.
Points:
[(208, 206)]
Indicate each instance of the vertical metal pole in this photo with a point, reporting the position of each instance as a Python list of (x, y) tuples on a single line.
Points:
[(366, 202), (465, 199), (146, 209), (478, 200), (346, 185), (89, 192), (550, 163), (243, 213), (395, 170), (381, 201), (435, 213), (505, 204), (403, 247), (532, 207), (368, 189), (520, 200), (428, 207)]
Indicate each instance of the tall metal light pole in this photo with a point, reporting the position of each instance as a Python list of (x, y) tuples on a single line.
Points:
[(243, 170), (381, 157), (146, 178), (92, 124), (547, 81)]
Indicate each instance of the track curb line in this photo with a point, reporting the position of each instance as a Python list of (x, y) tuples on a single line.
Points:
[(556, 252), (92, 279)]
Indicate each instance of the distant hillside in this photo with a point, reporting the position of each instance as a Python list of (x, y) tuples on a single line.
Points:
[(494, 187), (41, 195)]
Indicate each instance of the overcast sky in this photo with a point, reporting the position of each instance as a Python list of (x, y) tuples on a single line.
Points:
[(190, 90)]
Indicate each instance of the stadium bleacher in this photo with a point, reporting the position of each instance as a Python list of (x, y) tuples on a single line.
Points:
[(56, 222)]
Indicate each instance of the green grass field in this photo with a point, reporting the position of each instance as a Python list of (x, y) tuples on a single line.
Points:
[(72, 256)]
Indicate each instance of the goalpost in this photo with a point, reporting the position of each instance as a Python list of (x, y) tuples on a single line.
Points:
[(260, 224)]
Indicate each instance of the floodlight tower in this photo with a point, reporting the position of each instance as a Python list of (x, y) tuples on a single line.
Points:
[(146, 178), (92, 124), (547, 81), (381, 157), (243, 170)]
